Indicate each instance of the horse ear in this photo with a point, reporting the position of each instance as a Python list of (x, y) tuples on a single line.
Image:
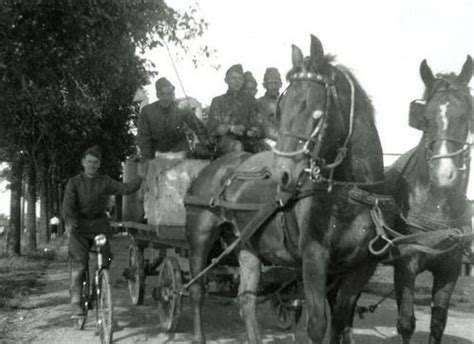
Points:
[(426, 74), (466, 72), (296, 56), (317, 52)]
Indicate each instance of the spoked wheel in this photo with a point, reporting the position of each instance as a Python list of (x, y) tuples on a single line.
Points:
[(284, 309), (105, 310), (167, 294), (136, 274), (79, 322)]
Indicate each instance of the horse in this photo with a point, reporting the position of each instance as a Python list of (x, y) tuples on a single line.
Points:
[(429, 186), (327, 226)]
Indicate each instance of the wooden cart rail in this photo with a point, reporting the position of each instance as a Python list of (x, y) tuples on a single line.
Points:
[(171, 236)]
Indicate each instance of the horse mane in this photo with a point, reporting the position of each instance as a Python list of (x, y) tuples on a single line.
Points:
[(363, 102)]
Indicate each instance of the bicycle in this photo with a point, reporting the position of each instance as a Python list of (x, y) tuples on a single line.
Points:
[(99, 293)]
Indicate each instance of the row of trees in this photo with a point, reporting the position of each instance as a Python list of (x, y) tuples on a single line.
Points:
[(68, 73)]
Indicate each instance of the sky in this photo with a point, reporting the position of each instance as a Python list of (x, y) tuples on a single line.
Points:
[(382, 42)]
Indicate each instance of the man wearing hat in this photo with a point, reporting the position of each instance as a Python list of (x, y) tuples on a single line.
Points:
[(267, 104), (232, 116), (161, 124), (250, 85), (84, 212)]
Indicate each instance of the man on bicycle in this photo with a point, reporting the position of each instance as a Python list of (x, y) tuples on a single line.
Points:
[(84, 211)]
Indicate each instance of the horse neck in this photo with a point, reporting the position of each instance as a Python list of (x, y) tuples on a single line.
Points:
[(364, 160), (425, 196)]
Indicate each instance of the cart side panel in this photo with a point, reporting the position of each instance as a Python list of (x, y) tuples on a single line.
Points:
[(167, 182)]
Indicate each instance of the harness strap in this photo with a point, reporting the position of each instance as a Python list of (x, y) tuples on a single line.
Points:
[(391, 238), (265, 212)]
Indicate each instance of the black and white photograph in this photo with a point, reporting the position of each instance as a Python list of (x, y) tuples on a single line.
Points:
[(236, 172)]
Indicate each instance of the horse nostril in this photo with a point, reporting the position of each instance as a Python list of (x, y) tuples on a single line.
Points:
[(285, 178)]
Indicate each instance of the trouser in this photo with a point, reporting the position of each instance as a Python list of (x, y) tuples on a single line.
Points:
[(79, 246)]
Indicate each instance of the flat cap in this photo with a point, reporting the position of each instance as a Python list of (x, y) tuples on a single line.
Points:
[(94, 151), (235, 68), (272, 74), (162, 83)]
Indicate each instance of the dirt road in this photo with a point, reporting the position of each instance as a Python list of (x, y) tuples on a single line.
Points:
[(44, 318)]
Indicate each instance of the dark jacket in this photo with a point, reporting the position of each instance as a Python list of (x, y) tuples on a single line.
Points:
[(85, 201), (162, 129), (267, 116), (231, 108)]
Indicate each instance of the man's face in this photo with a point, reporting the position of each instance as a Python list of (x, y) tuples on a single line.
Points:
[(272, 87), (165, 95), (250, 88), (235, 81), (90, 164)]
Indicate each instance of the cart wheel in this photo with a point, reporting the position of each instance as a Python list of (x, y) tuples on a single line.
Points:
[(136, 274), (167, 294), (286, 313)]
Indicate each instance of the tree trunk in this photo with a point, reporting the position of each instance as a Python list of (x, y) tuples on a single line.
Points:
[(14, 230), (59, 198), (31, 211), (44, 213)]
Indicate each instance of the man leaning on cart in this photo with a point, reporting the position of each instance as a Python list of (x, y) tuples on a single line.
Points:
[(84, 211)]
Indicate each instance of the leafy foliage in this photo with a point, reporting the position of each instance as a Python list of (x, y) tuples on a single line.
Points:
[(68, 72)]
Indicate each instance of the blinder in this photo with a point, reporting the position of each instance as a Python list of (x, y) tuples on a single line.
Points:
[(416, 117)]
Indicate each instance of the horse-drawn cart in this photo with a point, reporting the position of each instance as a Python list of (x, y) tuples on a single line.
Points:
[(163, 232)]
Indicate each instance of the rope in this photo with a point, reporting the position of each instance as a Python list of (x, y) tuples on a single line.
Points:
[(175, 69)]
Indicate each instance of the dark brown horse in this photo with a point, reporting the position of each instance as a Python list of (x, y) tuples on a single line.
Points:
[(429, 185), (327, 152)]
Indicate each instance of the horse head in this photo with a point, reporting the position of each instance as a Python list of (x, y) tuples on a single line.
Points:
[(317, 117), (445, 117)]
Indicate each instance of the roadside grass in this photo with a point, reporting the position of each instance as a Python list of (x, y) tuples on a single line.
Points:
[(21, 276)]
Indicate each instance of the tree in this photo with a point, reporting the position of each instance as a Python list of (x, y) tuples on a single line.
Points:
[(68, 72)]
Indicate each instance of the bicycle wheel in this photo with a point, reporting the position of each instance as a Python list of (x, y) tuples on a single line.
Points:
[(104, 310)]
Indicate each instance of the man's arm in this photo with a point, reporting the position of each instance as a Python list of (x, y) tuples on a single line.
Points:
[(144, 138), (215, 123), (196, 125), (119, 188), (70, 211)]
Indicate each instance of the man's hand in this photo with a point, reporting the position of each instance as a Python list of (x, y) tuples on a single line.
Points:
[(237, 129), (252, 132)]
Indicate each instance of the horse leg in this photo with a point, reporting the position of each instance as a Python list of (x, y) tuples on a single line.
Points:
[(249, 277), (404, 280), (201, 237), (315, 260), (345, 302), (444, 281)]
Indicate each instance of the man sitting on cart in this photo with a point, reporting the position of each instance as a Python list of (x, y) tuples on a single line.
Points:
[(162, 124), (84, 211), (233, 116)]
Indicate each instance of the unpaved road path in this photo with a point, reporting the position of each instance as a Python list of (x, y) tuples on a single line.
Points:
[(44, 318)]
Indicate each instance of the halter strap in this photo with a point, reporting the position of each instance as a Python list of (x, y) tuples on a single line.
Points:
[(314, 170)]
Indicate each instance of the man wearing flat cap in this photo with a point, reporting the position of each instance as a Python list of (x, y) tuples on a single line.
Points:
[(84, 211), (232, 116), (161, 124), (267, 104), (250, 85)]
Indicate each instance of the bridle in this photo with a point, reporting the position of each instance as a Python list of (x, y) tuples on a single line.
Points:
[(315, 163), (465, 149)]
